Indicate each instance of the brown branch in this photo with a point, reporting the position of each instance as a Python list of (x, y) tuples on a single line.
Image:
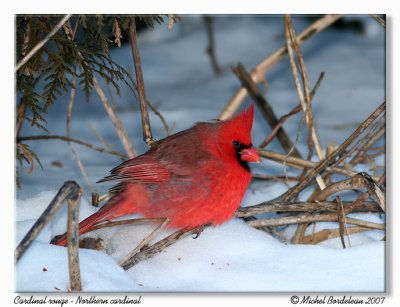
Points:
[(300, 163), (294, 111), (66, 139), (74, 153), (125, 222), (70, 189), (359, 156), (144, 242), (211, 45), (363, 197), (149, 251), (310, 207), (327, 234), (326, 217), (42, 42), (147, 135), (73, 241), (265, 108), (123, 136), (304, 97), (164, 122), (325, 162), (361, 180), (257, 73)]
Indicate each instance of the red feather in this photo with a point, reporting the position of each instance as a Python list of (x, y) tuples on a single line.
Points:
[(194, 177)]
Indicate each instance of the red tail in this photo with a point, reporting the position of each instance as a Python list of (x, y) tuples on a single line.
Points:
[(107, 211)]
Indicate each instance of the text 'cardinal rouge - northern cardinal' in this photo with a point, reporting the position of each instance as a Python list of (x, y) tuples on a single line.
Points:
[(195, 177)]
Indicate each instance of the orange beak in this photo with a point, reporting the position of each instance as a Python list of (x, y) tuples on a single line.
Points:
[(250, 155)]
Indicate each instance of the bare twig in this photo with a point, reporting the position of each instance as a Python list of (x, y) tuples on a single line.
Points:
[(326, 217), (300, 163), (42, 42), (294, 111), (327, 234), (115, 120), (66, 139), (73, 241), (147, 135), (310, 207), (257, 73), (324, 163), (361, 180), (164, 122), (74, 153), (145, 241), (265, 108), (149, 251), (70, 189), (380, 20), (363, 197), (211, 44), (304, 98), (359, 156), (126, 222)]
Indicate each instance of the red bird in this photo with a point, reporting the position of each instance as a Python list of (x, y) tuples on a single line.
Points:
[(195, 177)]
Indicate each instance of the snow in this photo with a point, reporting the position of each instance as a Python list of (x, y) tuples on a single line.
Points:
[(180, 83)]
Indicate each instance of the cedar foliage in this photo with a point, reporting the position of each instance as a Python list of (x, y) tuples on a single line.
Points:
[(81, 49)]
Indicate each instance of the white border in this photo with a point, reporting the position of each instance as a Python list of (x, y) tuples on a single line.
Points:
[(195, 7)]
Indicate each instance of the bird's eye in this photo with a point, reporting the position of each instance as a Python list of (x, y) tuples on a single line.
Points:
[(236, 144)]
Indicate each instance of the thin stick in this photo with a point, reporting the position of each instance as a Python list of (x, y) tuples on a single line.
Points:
[(327, 234), (66, 139), (70, 189), (265, 108), (211, 45), (310, 206), (380, 20), (164, 122), (74, 153), (363, 197), (300, 163), (371, 141), (324, 163), (304, 99), (144, 242), (257, 73), (361, 180), (149, 251), (125, 222), (73, 242), (115, 120), (327, 217), (42, 42), (294, 111), (147, 135)]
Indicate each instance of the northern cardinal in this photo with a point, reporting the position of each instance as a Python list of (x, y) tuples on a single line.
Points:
[(195, 177)]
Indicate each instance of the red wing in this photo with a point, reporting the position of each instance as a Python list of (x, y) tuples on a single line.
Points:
[(144, 169)]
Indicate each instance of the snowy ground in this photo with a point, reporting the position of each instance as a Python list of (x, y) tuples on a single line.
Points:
[(180, 82)]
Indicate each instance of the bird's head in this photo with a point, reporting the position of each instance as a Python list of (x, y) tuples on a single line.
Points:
[(235, 137)]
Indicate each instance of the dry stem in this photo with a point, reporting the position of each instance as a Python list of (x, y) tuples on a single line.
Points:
[(67, 139), (257, 73), (211, 45), (147, 135), (73, 241), (115, 120), (69, 190), (42, 42), (326, 217), (324, 163), (265, 108)]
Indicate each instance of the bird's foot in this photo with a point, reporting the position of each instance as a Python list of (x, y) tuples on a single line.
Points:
[(198, 231)]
